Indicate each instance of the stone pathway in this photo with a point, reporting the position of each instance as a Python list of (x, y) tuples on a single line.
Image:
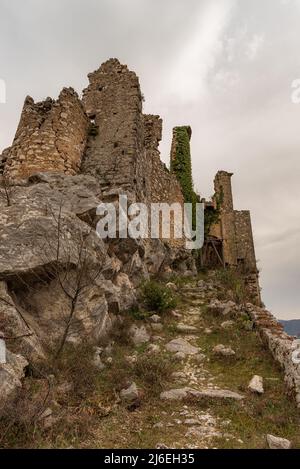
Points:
[(193, 381)]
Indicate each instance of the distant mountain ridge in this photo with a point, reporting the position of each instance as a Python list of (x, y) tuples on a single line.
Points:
[(292, 327)]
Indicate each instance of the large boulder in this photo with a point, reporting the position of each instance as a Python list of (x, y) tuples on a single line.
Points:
[(20, 326), (50, 254), (182, 346), (11, 374), (38, 233)]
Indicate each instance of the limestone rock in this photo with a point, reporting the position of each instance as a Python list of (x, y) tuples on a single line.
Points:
[(223, 351), (182, 346), (278, 443), (139, 335), (11, 374), (131, 359), (178, 375), (184, 393), (199, 358), (130, 394), (180, 356), (176, 315), (224, 309), (153, 349), (227, 325), (256, 385), (155, 318), (161, 446), (97, 360), (184, 328), (172, 286), (15, 324)]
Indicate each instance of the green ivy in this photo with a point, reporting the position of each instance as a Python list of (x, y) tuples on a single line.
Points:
[(212, 216), (181, 164)]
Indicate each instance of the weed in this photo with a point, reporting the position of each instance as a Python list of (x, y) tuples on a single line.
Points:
[(158, 297)]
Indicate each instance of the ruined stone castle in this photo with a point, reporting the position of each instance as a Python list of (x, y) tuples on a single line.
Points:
[(74, 153), (106, 135)]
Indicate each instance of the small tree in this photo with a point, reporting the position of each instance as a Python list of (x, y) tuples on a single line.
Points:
[(77, 273)]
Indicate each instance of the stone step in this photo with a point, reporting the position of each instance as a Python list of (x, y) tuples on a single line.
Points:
[(185, 393)]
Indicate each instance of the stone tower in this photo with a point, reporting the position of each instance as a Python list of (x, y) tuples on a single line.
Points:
[(51, 137), (115, 150)]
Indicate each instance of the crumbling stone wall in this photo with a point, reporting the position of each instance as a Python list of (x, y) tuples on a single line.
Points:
[(51, 136), (244, 239), (123, 145), (164, 186), (113, 102), (107, 136), (223, 192), (235, 231), (282, 346), (234, 227)]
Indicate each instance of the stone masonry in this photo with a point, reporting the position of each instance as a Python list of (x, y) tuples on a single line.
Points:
[(113, 102), (234, 227), (235, 232), (51, 137), (108, 136), (123, 145), (284, 348)]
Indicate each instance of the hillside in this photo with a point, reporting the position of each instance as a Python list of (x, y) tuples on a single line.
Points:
[(163, 383), (119, 327)]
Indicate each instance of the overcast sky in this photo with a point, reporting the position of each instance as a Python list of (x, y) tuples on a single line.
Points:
[(225, 67)]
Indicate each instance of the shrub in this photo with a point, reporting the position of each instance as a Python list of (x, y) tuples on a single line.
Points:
[(138, 315), (76, 365), (158, 297), (232, 280), (154, 370)]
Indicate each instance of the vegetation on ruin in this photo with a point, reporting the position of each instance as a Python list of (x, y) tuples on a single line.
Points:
[(92, 416), (212, 215), (157, 297), (181, 166)]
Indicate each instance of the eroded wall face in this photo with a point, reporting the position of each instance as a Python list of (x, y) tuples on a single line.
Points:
[(51, 137), (234, 227), (226, 227), (113, 101), (164, 186), (244, 238), (224, 190), (123, 145)]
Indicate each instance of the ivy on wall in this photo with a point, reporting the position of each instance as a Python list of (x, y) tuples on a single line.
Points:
[(181, 166), (212, 215), (181, 163)]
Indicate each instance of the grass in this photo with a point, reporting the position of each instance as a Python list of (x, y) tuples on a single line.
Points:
[(273, 412), (92, 415), (157, 297)]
